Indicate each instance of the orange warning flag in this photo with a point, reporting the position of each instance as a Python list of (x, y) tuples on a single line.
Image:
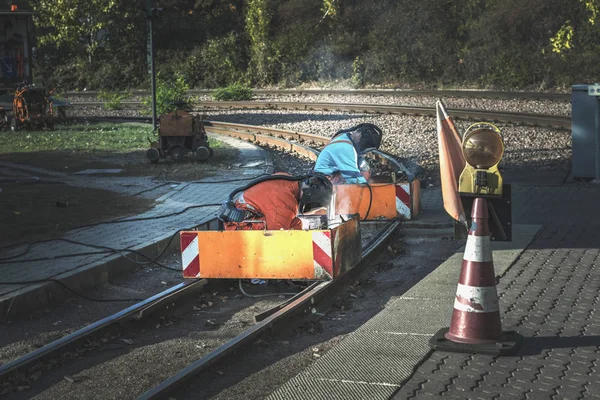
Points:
[(452, 163)]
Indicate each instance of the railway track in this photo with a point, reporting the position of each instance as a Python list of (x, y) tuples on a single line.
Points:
[(484, 94), (300, 143), (556, 121), (313, 299), (304, 304)]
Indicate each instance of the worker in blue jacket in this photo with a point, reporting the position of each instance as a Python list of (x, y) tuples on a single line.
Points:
[(342, 159)]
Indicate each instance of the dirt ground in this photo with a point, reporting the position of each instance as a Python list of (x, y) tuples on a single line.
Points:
[(30, 210), (37, 211), (132, 163)]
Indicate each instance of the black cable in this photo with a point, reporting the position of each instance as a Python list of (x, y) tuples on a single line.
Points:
[(86, 253), (102, 300), (107, 250), (300, 178), (27, 248), (198, 182), (29, 244), (152, 261), (370, 201), (127, 220), (151, 218), (232, 180), (69, 289), (265, 179), (152, 188)]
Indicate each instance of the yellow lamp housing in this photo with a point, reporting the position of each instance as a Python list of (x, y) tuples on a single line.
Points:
[(483, 149)]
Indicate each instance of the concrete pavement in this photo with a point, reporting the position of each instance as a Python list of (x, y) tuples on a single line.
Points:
[(25, 280), (548, 292)]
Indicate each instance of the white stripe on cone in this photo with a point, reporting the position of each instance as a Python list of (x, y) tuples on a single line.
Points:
[(476, 299), (478, 249), (190, 252)]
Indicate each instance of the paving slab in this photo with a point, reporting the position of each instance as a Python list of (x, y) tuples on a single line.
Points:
[(384, 352), (25, 284), (551, 296)]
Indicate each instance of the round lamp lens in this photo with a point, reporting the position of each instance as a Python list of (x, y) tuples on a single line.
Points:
[(483, 148)]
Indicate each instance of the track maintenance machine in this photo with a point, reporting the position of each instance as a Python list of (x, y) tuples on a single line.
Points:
[(180, 133), (22, 105), (32, 107)]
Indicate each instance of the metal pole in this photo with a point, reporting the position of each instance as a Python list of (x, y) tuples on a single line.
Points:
[(152, 67), (597, 135)]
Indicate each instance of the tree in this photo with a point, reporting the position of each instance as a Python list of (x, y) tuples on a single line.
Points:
[(72, 23), (258, 18)]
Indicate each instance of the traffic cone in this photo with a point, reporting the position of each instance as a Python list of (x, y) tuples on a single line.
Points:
[(476, 326)]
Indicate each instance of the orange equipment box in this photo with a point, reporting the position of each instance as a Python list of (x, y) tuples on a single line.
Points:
[(389, 200), (292, 254)]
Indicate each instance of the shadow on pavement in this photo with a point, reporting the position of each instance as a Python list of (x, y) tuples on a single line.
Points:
[(536, 345)]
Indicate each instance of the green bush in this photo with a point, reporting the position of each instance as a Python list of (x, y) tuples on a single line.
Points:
[(358, 73), (112, 101), (168, 92), (218, 62), (236, 92)]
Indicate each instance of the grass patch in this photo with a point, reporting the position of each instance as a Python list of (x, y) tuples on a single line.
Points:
[(81, 138), (75, 147), (215, 144), (235, 92), (112, 101)]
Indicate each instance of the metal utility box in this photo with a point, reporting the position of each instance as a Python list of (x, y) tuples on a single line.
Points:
[(585, 111)]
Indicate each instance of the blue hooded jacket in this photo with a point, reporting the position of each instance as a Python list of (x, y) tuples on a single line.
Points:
[(340, 155)]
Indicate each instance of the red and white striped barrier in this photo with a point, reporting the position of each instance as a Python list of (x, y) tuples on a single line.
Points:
[(190, 254), (476, 314), (322, 254), (403, 200)]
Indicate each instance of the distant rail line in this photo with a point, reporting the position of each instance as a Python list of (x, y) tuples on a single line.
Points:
[(484, 94), (556, 121)]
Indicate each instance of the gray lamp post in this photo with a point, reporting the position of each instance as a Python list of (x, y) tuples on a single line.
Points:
[(152, 12)]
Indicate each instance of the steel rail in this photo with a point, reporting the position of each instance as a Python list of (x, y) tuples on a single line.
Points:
[(134, 312), (139, 310), (304, 303), (556, 121), (484, 94)]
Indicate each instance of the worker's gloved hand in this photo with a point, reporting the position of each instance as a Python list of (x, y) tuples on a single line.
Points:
[(364, 168), (230, 213)]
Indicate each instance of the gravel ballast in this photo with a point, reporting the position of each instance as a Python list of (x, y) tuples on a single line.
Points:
[(513, 105), (409, 136)]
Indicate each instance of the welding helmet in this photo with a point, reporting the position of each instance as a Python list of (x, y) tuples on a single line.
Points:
[(317, 193), (370, 138)]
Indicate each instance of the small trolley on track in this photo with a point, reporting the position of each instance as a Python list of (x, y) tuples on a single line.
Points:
[(180, 133)]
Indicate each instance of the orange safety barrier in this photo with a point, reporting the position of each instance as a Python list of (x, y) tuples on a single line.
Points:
[(293, 254), (391, 200)]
